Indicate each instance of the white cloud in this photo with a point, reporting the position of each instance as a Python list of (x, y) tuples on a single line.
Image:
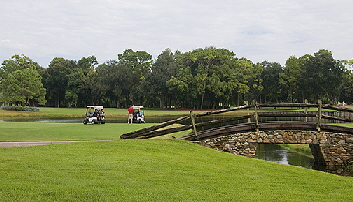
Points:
[(258, 30)]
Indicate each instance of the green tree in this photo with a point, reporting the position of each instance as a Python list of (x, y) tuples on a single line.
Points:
[(248, 77), (115, 82), (82, 82), (70, 83), (21, 81), (56, 79), (138, 65), (179, 86), (272, 88), (210, 76), (346, 91), (155, 84), (206, 65), (290, 77), (347, 88), (139, 61), (74, 88), (18, 62), (321, 78)]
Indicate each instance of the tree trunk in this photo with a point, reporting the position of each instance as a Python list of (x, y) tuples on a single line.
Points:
[(58, 103), (202, 97), (161, 103), (238, 99)]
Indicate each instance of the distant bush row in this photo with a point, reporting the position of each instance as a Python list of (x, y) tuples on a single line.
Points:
[(20, 108)]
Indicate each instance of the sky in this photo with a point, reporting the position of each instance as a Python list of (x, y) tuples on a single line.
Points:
[(259, 30)]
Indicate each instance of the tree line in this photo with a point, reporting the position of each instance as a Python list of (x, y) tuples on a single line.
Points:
[(198, 79)]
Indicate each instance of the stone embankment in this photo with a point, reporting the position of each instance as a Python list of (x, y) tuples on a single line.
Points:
[(335, 150)]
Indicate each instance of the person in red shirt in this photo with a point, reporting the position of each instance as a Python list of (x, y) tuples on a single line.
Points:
[(130, 112)]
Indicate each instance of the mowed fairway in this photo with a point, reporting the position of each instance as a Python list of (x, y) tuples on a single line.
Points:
[(156, 170), (145, 170), (36, 131)]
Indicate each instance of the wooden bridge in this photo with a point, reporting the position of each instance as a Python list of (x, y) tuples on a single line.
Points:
[(222, 126), (331, 145)]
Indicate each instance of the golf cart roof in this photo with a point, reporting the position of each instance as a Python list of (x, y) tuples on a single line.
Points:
[(95, 107), (137, 107)]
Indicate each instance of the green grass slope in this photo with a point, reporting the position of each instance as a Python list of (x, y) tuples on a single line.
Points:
[(37, 131), (156, 170)]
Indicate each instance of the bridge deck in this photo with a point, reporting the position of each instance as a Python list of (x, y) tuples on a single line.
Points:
[(265, 126), (160, 129)]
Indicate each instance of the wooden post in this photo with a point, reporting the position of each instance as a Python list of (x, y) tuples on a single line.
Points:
[(193, 123), (247, 104), (319, 115), (256, 117), (306, 111)]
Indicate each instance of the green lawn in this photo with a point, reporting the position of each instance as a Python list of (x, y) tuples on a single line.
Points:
[(115, 112), (156, 170), (80, 112), (145, 170), (37, 131), (348, 125)]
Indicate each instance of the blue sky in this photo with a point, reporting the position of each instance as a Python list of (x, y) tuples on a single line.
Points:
[(271, 30)]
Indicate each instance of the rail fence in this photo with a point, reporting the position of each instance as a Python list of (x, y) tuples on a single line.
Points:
[(285, 114)]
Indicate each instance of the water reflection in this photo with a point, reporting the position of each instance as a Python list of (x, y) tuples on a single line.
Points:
[(275, 153)]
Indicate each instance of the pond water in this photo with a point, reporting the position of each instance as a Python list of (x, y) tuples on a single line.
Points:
[(278, 154)]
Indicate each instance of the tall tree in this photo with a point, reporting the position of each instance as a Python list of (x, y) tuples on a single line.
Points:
[(69, 82), (155, 84), (82, 82), (347, 88), (56, 79), (139, 64), (248, 77), (271, 81), (209, 76), (207, 79), (21, 81), (322, 76), (290, 77), (114, 81)]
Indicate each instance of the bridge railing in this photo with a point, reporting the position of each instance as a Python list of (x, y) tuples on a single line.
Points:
[(264, 126), (160, 129)]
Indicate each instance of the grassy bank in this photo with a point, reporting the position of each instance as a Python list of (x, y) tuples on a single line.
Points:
[(156, 170), (80, 112), (114, 112), (145, 170), (36, 131)]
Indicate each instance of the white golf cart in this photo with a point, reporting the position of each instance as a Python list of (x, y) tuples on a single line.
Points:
[(94, 115), (138, 116)]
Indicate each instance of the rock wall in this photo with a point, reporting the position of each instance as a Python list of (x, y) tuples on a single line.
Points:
[(335, 150)]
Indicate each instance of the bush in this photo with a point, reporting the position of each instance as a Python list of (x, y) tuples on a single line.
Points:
[(20, 108)]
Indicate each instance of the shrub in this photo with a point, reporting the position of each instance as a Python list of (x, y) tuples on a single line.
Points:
[(20, 108)]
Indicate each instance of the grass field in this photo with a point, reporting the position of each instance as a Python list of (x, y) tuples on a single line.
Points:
[(109, 111), (156, 170), (114, 112), (80, 112), (145, 170), (36, 131)]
